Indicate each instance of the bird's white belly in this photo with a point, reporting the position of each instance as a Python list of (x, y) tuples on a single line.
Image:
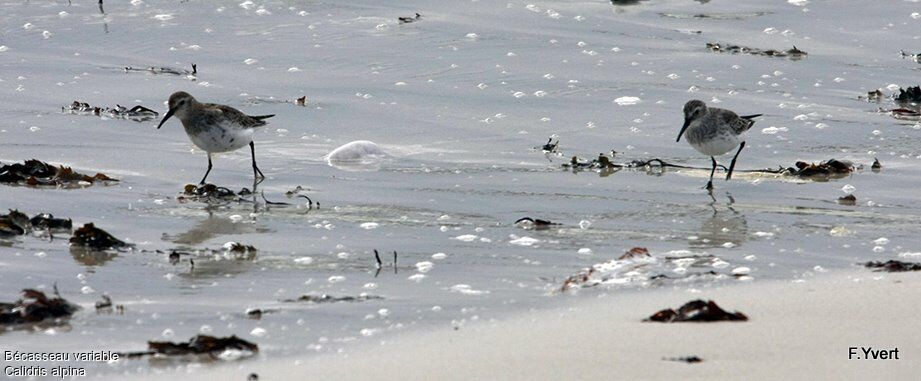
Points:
[(222, 139), (718, 145)]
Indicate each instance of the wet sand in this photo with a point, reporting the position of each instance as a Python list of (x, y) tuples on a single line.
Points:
[(797, 330)]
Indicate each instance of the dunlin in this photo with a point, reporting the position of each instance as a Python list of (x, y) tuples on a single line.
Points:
[(714, 131), (215, 128)]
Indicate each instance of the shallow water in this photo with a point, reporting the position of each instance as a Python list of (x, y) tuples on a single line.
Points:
[(458, 100)]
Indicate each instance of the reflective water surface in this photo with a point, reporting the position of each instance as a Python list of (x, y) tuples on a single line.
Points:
[(458, 100)]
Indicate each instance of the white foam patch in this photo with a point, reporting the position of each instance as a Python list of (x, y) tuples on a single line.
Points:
[(424, 266), (627, 101), (466, 238), (643, 271), (358, 155), (467, 290), (523, 241)]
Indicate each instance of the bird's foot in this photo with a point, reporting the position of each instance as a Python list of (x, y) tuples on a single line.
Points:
[(709, 186)]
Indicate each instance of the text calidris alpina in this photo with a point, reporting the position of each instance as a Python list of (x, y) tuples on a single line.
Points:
[(215, 128), (714, 131)]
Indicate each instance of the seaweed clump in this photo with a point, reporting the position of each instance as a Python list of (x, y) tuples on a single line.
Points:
[(849, 200), (638, 266), (164, 70), (910, 95), (685, 359), (326, 299), (830, 168), (18, 223), (35, 307), (893, 266), (36, 173), (635, 253), (90, 236), (909, 99), (794, 54), (199, 345), (602, 162), (210, 193), (529, 223), (409, 19), (14, 223), (239, 248), (106, 305), (696, 311), (137, 113), (590, 276), (912, 56), (901, 113), (552, 145), (46, 221)]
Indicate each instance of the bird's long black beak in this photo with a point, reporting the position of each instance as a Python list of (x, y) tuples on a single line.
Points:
[(687, 122), (165, 117)]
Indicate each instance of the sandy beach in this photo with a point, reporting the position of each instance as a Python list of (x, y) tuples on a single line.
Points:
[(408, 144), (797, 330)]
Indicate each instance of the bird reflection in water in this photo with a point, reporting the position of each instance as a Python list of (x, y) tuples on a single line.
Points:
[(223, 263), (212, 227), (725, 227)]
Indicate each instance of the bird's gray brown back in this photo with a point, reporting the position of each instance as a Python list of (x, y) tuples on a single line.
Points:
[(738, 124)]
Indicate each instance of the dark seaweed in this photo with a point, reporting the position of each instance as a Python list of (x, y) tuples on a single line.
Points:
[(164, 70), (407, 20), (696, 311), (106, 305), (850, 200), (239, 248), (794, 54), (910, 95), (636, 252), (137, 113), (685, 359), (324, 298), (14, 223), (212, 194), (893, 266), (831, 167), (18, 223), (38, 173), (534, 223), (95, 238), (35, 307), (198, 345), (46, 221)]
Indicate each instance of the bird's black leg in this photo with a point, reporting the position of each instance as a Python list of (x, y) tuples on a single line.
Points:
[(256, 172), (733, 164), (206, 172), (713, 170)]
